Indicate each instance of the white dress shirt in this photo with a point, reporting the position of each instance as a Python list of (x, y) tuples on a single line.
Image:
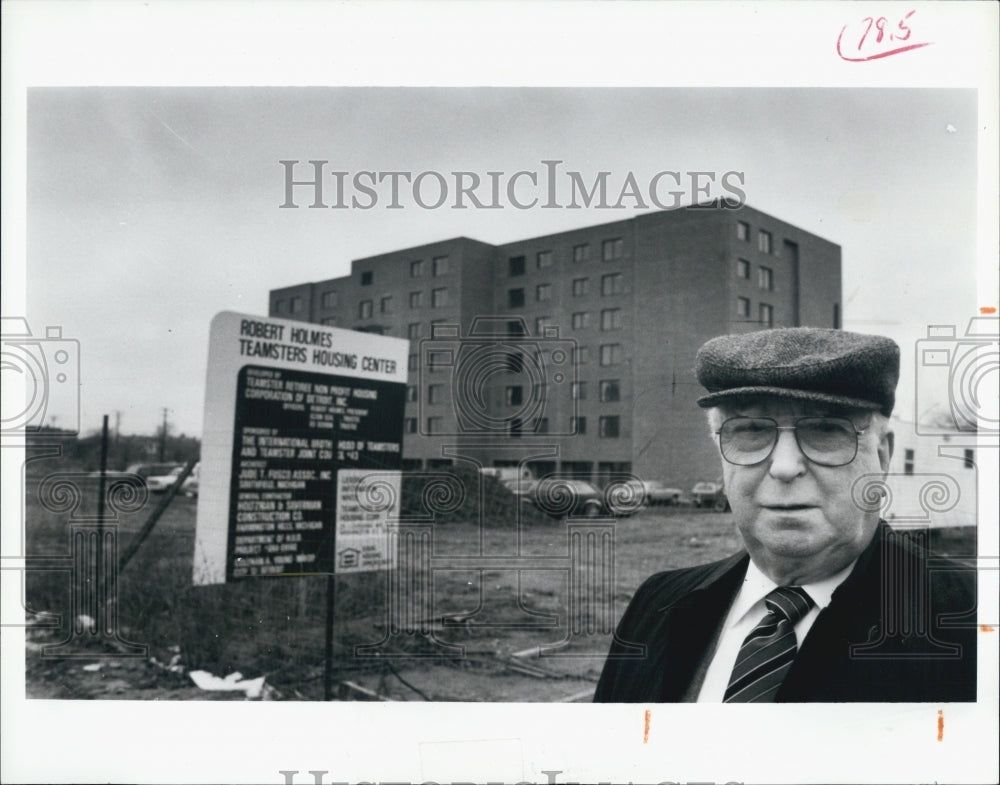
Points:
[(745, 613)]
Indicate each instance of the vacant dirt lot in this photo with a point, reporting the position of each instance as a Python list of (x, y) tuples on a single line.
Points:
[(484, 613), (474, 612)]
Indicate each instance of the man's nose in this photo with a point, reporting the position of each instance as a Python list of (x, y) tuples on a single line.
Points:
[(787, 460)]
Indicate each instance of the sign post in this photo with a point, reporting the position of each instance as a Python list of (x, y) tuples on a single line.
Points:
[(303, 429)]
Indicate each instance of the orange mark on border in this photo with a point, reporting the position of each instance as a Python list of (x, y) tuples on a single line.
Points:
[(987, 628), (645, 729), (987, 309), (940, 725)]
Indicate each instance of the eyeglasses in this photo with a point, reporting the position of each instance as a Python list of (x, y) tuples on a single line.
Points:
[(827, 441)]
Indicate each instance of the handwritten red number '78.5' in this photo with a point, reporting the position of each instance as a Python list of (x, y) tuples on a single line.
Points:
[(883, 43)]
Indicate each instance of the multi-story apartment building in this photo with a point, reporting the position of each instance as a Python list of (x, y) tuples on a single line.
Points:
[(574, 352)]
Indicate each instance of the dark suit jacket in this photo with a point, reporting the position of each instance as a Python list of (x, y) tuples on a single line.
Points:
[(901, 627)]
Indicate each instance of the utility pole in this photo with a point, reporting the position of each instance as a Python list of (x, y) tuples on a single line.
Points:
[(163, 437)]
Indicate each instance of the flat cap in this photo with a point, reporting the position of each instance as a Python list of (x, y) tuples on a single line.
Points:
[(807, 363)]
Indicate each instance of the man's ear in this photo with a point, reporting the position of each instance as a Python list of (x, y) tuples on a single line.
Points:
[(885, 446)]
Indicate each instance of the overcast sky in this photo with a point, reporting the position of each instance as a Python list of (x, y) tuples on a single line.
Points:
[(152, 209)]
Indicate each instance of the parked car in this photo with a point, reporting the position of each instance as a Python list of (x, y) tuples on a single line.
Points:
[(145, 470), (190, 486), (625, 498), (522, 489), (656, 492), (161, 483), (559, 497), (710, 494), (507, 473)]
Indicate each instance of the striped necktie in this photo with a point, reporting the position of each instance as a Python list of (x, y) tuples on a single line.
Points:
[(767, 652)]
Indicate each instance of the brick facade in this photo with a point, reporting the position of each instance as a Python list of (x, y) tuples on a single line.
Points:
[(631, 301)]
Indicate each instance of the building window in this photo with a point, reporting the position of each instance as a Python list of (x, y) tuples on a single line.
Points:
[(440, 266), (515, 298), (411, 424), (611, 319), (543, 292), (411, 364), (439, 297), (766, 315), (436, 360), (765, 279), (764, 241), (580, 286), (367, 277), (610, 390), (969, 459), (515, 428), (434, 424), (411, 393), (295, 305), (742, 230), (581, 355), (608, 426), (365, 309), (612, 249), (544, 259), (328, 321), (278, 305), (908, 462), (515, 266), (435, 393), (385, 304), (611, 354), (580, 319), (543, 425), (329, 299), (413, 330), (416, 268), (579, 391), (581, 253), (416, 299), (613, 283), (540, 324), (513, 395), (515, 327), (743, 307), (742, 268), (578, 425)]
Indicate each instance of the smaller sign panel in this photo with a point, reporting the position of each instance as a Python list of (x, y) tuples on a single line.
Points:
[(301, 451), (366, 501)]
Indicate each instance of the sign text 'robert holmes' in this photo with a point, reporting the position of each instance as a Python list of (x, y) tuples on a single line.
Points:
[(548, 189), (263, 339)]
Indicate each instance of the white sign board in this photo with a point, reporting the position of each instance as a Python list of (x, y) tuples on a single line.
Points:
[(303, 428)]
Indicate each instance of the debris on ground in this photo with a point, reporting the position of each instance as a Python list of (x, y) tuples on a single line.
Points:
[(234, 682)]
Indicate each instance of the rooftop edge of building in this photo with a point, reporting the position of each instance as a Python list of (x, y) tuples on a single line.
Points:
[(652, 215)]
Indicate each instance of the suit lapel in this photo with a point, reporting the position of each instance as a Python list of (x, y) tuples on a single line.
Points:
[(689, 625), (825, 653)]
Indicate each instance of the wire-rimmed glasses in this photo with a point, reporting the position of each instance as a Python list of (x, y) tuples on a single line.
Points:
[(827, 441)]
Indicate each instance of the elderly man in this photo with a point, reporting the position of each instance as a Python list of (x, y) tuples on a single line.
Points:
[(826, 602)]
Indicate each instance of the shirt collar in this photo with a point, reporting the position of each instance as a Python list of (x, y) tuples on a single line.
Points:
[(756, 586)]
